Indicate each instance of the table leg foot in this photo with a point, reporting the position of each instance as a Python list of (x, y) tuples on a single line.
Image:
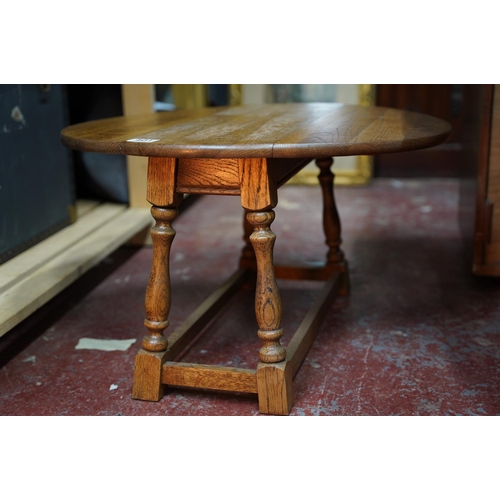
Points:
[(275, 389), (147, 384), (148, 362)]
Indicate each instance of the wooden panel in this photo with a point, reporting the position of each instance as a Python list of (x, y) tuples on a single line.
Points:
[(479, 213), (473, 174), (210, 377), (258, 189), (85, 206), (189, 95), (26, 296), (492, 250), (494, 166), (162, 173), (491, 265), (32, 259), (137, 99), (207, 173), (212, 176), (441, 101)]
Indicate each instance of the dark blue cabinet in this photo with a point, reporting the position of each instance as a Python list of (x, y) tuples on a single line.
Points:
[(36, 182)]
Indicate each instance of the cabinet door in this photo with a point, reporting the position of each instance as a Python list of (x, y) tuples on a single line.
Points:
[(492, 237), (36, 188), (479, 211)]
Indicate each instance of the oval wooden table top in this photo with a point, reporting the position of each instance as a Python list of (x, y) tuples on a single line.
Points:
[(294, 130)]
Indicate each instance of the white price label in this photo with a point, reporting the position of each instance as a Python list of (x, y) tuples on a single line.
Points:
[(138, 139)]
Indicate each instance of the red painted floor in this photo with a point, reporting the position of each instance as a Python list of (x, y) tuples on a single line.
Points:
[(417, 336)]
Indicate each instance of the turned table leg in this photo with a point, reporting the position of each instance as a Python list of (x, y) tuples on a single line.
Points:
[(148, 362), (274, 381), (258, 198), (158, 290), (247, 259), (335, 260)]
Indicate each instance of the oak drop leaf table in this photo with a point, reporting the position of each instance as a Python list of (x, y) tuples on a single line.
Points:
[(247, 151)]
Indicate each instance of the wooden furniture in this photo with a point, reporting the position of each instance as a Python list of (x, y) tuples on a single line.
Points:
[(441, 101), (246, 151), (139, 99), (480, 179), (348, 171)]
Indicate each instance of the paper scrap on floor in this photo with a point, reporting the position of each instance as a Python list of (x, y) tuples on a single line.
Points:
[(104, 344)]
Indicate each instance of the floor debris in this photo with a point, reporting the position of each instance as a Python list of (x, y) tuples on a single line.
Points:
[(104, 344)]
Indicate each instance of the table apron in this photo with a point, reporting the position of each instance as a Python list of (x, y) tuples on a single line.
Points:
[(222, 175)]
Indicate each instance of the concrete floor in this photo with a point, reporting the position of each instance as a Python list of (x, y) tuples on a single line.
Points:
[(417, 336)]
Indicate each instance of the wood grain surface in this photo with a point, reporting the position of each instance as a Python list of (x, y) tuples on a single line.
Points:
[(291, 130), (220, 378)]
